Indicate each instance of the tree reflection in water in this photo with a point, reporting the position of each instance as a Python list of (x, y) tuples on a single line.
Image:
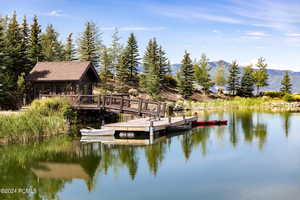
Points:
[(46, 166)]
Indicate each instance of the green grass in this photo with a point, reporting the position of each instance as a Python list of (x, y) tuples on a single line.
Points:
[(44, 117), (234, 103)]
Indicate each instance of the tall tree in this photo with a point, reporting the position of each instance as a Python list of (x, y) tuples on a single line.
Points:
[(261, 75), (25, 45), (185, 76), (164, 65), (89, 44), (201, 74), (122, 73), (115, 50), (220, 79), (286, 84), (132, 55), (16, 55), (247, 83), (69, 48), (35, 47), (52, 49), (233, 79), (151, 63)]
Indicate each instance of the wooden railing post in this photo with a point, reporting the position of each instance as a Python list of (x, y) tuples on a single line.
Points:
[(164, 110), (103, 102), (110, 100), (158, 110), (122, 104), (140, 107), (98, 101)]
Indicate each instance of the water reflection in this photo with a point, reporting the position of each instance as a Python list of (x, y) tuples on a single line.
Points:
[(52, 165)]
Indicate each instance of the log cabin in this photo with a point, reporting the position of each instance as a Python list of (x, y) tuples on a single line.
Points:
[(61, 78)]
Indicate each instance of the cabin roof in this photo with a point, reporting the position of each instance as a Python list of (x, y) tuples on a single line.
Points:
[(62, 71)]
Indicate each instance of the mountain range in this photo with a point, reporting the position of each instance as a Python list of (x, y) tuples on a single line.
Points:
[(274, 81)]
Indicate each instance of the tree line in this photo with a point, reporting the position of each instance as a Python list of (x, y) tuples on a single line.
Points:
[(22, 45)]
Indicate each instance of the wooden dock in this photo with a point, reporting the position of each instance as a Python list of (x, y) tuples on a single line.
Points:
[(150, 125)]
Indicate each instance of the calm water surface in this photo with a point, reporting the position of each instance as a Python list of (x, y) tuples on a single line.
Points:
[(256, 156)]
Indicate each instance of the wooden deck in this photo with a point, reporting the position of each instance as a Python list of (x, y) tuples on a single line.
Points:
[(150, 125)]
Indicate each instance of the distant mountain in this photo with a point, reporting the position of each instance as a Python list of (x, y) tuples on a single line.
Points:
[(275, 76)]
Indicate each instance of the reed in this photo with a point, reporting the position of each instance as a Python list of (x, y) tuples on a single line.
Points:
[(44, 117)]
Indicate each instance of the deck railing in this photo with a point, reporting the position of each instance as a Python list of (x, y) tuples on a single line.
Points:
[(119, 102)]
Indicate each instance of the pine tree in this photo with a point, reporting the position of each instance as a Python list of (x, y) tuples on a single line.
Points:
[(132, 57), (151, 63), (233, 79), (247, 83), (69, 49), (122, 73), (261, 76), (115, 50), (220, 79), (164, 65), (185, 76), (201, 73), (90, 44), (15, 61), (286, 84), (25, 45), (105, 64), (35, 48), (52, 49)]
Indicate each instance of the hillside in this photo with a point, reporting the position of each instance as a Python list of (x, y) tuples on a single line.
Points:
[(275, 76)]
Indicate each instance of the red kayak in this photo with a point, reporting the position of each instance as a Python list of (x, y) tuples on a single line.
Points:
[(209, 123)]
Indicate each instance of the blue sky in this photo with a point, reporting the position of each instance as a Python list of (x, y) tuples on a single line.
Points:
[(223, 29)]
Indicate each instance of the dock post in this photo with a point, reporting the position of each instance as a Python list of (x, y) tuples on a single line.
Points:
[(184, 119), (151, 128), (169, 120)]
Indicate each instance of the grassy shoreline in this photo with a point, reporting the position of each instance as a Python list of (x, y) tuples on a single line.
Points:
[(44, 118), (238, 103)]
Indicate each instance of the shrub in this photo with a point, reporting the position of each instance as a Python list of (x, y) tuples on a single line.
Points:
[(170, 80), (292, 97), (133, 92), (273, 94)]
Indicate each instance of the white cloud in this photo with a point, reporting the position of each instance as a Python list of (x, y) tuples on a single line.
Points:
[(134, 28), (194, 14), (256, 34), (55, 13), (293, 34)]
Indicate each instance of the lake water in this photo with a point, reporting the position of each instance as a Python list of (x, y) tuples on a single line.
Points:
[(256, 156)]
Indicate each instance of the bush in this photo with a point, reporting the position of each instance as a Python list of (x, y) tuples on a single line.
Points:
[(292, 97), (133, 92), (273, 94), (170, 80)]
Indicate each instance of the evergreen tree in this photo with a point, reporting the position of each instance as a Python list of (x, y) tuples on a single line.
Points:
[(185, 76), (220, 79), (89, 44), (52, 49), (69, 49), (261, 76), (132, 55), (233, 79), (164, 65), (35, 48), (15, 53), (286, 84), (122, 73), (151, 63), (25, 45), (247, 83), (105, 64), (115, 50), (201, 74)]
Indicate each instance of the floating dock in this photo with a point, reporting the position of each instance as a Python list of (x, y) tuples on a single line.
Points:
[(150, 125)]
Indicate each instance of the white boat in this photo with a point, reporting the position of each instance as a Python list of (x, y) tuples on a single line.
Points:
[(97, 132)]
